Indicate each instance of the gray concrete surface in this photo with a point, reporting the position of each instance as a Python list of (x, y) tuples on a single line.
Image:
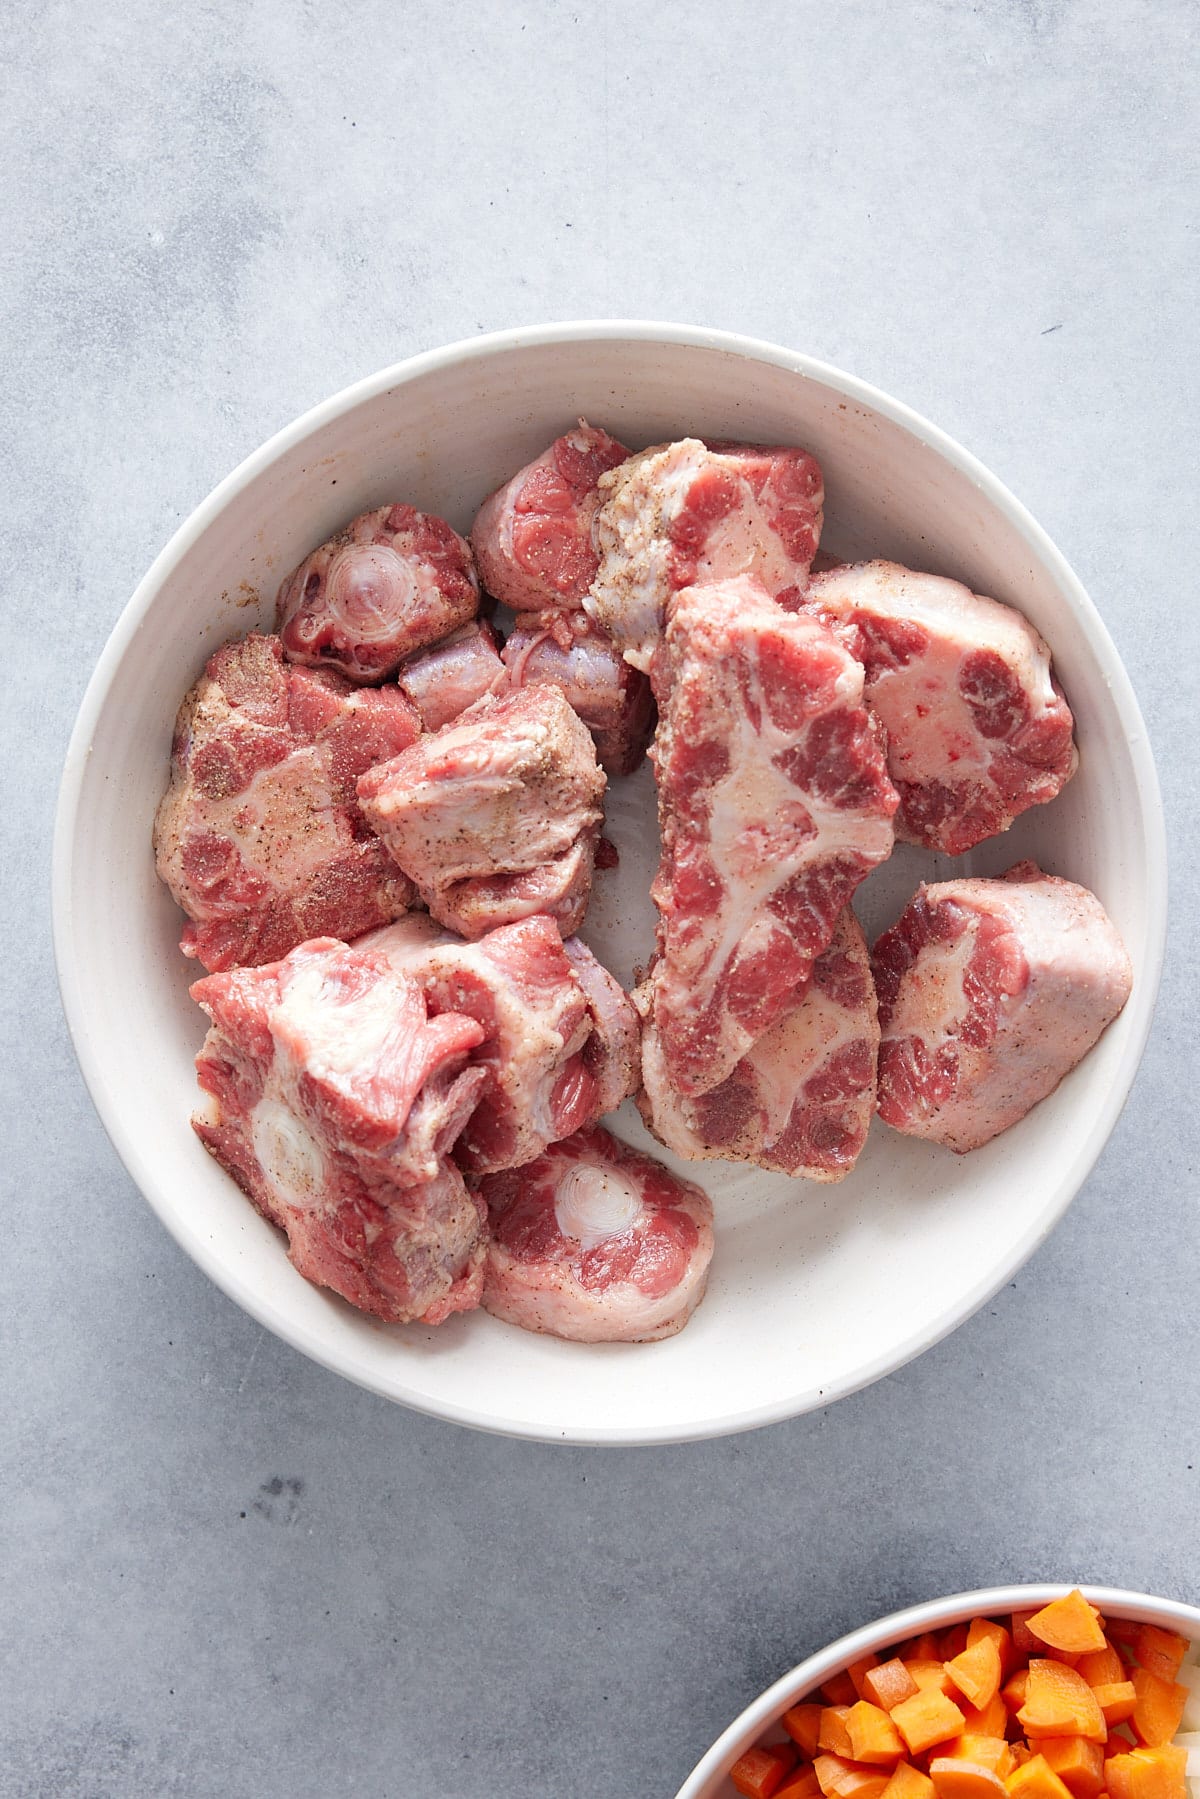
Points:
[(226, 1572)]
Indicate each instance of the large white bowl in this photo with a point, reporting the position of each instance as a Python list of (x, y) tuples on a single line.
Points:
[(708, 1778), (815, 1290)]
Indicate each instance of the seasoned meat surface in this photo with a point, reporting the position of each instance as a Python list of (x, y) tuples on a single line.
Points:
[(450, 675), (774, 804), (596, 1242), (612, 698), (393, 581), (259, 836), (334, 1103), (496, 816), (977, 727), (989, 993), (802, 1098), (686, 514)]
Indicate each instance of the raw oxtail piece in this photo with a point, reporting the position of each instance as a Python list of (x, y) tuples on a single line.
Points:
[(612, 698), (977, 727), (596, 1242), (259, 836), (532, 538), (496, 816), (688, 513), (334, 1101), (989, 993), (802, 1099), (391, 582), (450, 675), (559, 1037), (774, 803)]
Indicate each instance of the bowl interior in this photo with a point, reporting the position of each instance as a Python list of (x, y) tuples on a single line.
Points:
[(814, 1290), (708, 1780)]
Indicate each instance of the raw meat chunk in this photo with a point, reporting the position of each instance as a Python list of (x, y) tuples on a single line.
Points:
[(497, 816), (443, 680), (612, 698), (334, 1104), (801, 1101), (392, 581), (774, 804), (559, 1042), (532, 538), (989, 993), (597, 1243), (686, 514), (977, 727), (259, 836)]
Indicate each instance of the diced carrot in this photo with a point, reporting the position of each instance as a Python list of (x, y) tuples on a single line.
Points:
[(801, 1784), (908, 1782), (888, 1684), (833, 1735), (1157, 1773), (841, 1778), (1068, 1624), (1078, 1764), (1116, 1701), (928, 1674), (976, 1672), (1123, 1630), (1160, 1651), (1036, 1779), (803, 1725), (928, 1718), (1021, 1752), (1120, 1742), (951, 1642), (954, 1778), (990, 1720), (759, 1773), (924, 1648), (1060, 1703), (1158, 1710), (1024, 1641), (873, 1736), (988, 1751), (1014, 1689), (1101, 1667), (985, 1627), (838, 1690), (858, 1670)]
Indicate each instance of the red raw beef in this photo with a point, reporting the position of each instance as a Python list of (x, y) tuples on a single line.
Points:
[(259, 836), (532, 538), (687, 514), (612, 698), (989, 993), (449, 676), (978, 729), (774, 804), (496, 816), (559, 1043), (596, 1242), (334, 1103), (802, 1099), (391, 582)]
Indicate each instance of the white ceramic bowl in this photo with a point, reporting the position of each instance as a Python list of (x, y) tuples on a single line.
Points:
[(708, 1779), (815, 1290)]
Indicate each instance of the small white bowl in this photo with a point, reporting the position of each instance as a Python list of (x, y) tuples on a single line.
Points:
[(708, 1778), (815, 1290)]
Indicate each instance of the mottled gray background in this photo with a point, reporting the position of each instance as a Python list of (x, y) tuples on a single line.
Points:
[(225, 1571)]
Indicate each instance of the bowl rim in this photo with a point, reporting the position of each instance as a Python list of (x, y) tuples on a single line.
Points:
[(930, 1614), (198, 1246)]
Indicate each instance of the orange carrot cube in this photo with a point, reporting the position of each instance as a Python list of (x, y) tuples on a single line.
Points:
[(1158, 1708), (801, 1784), (986, 1627), (889, 1683), (1070, 1625), (928, 1718), (841, 1778), (833, 1736), (759, 1773), (986, 1751), (859, 1670), (990, 1720), (1014, 1689), (1117, 1701), (1036, 1779), (1024, 1641), (924, 1649), (1078, 1764), (955, 1778), (908, 1782), (1060, 1703), (1157, 1773), (1101, 1667), (803, 1724), (873, 1737), (951, 1642), (975, 1671), (838, 1690), (1160, 1651), (927, 1673)]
